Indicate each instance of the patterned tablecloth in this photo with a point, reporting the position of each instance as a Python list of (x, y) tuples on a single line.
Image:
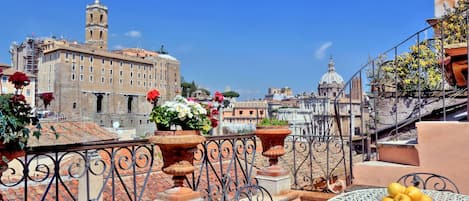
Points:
[(378, 194)]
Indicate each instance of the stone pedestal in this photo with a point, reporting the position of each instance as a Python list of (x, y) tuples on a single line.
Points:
[(275, 185), (179, 194), (273, 178)]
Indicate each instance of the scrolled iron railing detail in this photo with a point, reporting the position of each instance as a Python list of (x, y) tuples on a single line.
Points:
[(315, 162), (429, 181), (226, 165)]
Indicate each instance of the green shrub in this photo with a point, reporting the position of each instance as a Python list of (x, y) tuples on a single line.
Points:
[(272, 122)]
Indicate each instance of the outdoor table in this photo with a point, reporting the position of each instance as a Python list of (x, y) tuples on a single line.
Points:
[(377, 194)]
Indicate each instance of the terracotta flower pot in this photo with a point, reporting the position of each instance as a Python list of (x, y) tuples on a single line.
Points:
[(272, 139), (10, 152), (177, 148)]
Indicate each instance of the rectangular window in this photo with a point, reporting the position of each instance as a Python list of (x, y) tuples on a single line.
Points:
[(81, 57), (110, 62), (120, 73), (131, 66), (110, 71), (66, 55), (73, 56), (81, 68), (91, 59), (91, 69), (91, 78), (110, 80), (121, 63), (102, 61), (4, 79), (73, 76), (102, 79), (81, 77), (120, 81), (102, 70)]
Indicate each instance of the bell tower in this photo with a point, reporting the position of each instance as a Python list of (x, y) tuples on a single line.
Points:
[(96, 27)]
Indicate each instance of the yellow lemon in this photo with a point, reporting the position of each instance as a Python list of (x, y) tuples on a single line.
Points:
[(402, 197), (425, 198), (414, 193), (395, 188), (387, 199)]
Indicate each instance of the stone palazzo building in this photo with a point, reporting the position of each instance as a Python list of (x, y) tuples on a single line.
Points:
[(91, 83)]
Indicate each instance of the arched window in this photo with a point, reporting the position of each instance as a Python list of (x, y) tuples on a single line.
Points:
[(100, 34), (91, 16), (91, 34), (101, 18)]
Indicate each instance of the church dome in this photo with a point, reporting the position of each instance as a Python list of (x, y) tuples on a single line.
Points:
[(331, 76)]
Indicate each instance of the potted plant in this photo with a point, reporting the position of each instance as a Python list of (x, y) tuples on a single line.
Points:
[(180, 123), (16, 118), (272, 133)]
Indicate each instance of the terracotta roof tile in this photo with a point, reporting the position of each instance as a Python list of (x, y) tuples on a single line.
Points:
[(71, 132)]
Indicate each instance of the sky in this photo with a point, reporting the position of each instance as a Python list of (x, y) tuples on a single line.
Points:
[(242, 45)]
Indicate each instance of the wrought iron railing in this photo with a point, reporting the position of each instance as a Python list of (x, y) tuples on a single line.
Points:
[(130, 170), (403, 85), (315, 162)]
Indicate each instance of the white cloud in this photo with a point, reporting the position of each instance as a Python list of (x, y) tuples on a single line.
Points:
[(133, 34), (321, 51), (118, 47)]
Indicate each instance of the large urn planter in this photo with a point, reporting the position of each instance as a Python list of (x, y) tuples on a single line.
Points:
[(272, 139), (177, 148), (9, 152)]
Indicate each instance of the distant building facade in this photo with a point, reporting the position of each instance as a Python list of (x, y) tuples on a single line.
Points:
[(278, 93), (314, 114), (8, 88), (245, 112), (91, 83)]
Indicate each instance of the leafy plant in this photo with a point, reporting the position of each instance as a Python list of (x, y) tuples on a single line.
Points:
[(16, 114), (272, 122)]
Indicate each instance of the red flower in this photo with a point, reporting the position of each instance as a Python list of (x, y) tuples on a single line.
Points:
[(214, 122), (19, 79), (208, 106), (153, 95), (18, 98), (47, 98), (215, 112), (218, 97)]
